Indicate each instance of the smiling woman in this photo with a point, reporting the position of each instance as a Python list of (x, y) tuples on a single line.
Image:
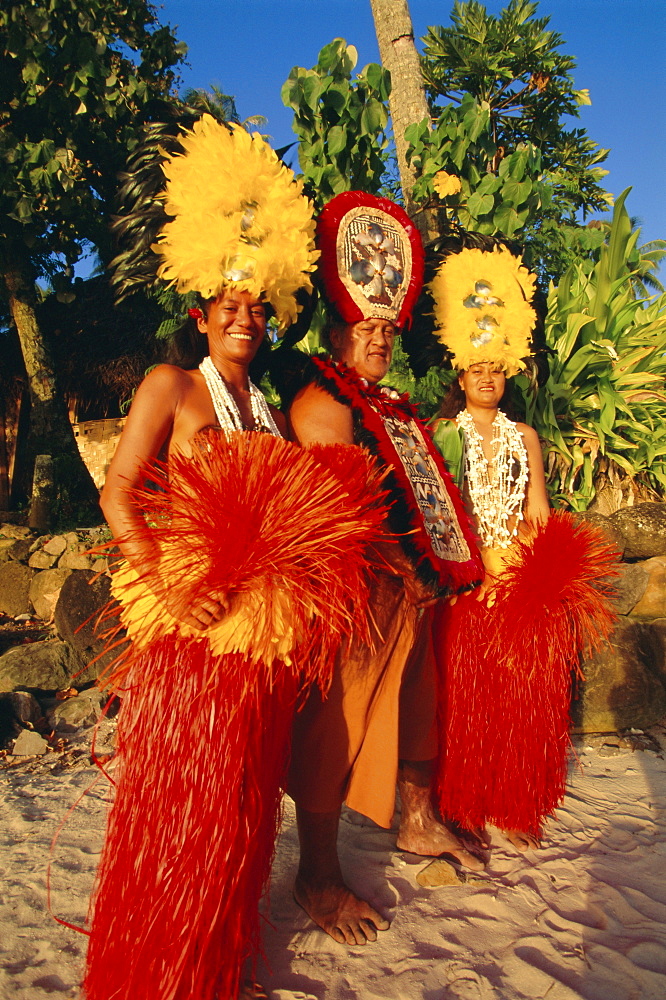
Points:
[(227, 598), (506, 658)]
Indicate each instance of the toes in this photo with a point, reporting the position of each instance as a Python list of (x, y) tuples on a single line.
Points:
[(368, 928), (469, 861), (337, 934)]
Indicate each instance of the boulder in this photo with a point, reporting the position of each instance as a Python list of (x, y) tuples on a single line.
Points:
[(15, 531), (82, 597), (56, 545), (20, 549), (5, 548), (606, 526), (39, 543), (42, 560), (652, 603), (643, 528), (18, 710), (38, 666), (76, 560), (15, 588), (630, 586), (625, 683), (45, 590), (77, 713)]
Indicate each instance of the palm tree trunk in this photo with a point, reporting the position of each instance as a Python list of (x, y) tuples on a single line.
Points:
[(75, 494), (407, 103)]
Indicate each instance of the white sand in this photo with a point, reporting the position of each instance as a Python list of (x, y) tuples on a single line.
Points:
[(582, 918)]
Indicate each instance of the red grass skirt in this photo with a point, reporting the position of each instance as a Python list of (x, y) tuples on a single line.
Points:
[(204, 729), (191, 832), (505, 677)]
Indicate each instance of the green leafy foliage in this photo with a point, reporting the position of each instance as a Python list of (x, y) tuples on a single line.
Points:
[(340, 122), (427, 392), (512, 67), (500, 91), (602, 413), (70, 101), (501, 201)]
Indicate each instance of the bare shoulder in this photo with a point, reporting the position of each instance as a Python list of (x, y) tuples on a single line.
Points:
[(279, 418), (315, 416), (167, 377), (164, 387), (530, 436)]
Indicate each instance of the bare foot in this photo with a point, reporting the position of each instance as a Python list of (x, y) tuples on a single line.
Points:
[(420, 831), (430, 839), (477, 836), (252, 991), (335, 908), (522, 841)]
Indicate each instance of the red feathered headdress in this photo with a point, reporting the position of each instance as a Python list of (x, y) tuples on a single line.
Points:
[(371, 263)]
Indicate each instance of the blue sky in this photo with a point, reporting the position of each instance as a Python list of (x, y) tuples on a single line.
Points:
[(249, 47)]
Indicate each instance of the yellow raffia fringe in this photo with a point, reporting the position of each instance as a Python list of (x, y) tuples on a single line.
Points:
[(260, 630), (497, 322), (240, 219)]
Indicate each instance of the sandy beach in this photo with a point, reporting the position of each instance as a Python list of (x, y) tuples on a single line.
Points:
[(584, 917)]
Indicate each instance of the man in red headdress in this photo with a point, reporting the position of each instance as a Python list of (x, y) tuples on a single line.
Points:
[(377, 723)]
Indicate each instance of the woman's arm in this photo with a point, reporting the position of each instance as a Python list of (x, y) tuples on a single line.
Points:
[(147, 429), (537, 507)]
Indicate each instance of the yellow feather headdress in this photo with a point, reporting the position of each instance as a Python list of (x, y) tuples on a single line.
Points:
[(240, 219), (483, 308)]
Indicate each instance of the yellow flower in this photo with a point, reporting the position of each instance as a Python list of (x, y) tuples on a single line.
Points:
[(482, 308), (240, 219), (446, 184)]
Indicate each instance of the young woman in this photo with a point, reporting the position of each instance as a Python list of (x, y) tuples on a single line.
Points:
[(507, 652), (238, 584)]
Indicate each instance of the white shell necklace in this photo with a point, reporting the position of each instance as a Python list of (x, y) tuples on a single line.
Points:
[(496, 488), (226, 409)]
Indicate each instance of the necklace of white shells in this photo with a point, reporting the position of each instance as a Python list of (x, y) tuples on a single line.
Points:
[(226, 409), (496, 489)]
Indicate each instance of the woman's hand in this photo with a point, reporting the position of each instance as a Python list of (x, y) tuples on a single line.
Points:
[(202, 613)]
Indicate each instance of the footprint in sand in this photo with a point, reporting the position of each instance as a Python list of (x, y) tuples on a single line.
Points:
[(465, 984)]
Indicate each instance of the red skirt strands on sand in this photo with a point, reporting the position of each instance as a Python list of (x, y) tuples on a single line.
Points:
[(205, 724), (505, 677)]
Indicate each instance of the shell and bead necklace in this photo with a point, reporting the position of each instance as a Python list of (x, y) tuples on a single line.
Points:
[(496, 488), (226, 408)]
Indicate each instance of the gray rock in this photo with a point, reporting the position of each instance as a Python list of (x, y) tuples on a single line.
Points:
[(18, 710), (45, 590), (24, 706), (625, 683), (656, 643), (20, 549), (5, 548), (76, 560), (644, 529), (39, 543), (42, 560), (56, 545), (15, 531), (38, 666), (29, 744), (14, 588), (653, 600), (77, 713), (607, 527), (630, 585), (81, 600)]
